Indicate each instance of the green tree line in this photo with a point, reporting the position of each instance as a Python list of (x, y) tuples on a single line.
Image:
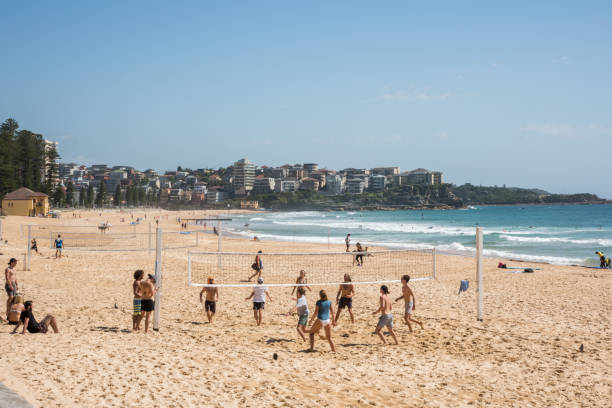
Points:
[(25, 161)]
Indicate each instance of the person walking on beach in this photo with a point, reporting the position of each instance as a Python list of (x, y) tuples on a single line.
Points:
[(257, 266), (10, 284), (347, 241), (259, 294), (344, 297), (301, 307), (324, 313), (301, 281), (386, 317), (359, 255), (409, 303), (212, 296), (137, 301), (34, 245), (29, 322), (147, 292), (59, 246)]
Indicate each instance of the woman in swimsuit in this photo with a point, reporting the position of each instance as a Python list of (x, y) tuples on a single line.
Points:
[(324, 312), (302, 281)]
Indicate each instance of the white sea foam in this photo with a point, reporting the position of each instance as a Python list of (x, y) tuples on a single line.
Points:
[(455, 248), (551, 240)]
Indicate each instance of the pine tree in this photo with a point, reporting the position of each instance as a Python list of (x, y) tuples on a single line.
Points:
[(8, 180), (90, 196), (101, 197), (59, 196), (70, 194), (51, 169), (117, 196)]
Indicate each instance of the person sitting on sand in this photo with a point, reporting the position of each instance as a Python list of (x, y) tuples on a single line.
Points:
[(409, 303), (137, 301), (147, 292), (259, 294), (15, 311), (301, 280), (212, 296), (10, 284), (257, 266), (301, 307), (29, 322), (344, 297), (324, 313), (386, 317)]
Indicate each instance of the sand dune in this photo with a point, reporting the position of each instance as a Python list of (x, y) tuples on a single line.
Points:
[(525, 353)]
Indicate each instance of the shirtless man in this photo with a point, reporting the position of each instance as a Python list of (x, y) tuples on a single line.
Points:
[(409, 303), (386, 317), (137, 314), (212, 296), (344, 297), (10, 285), (302, 281), (147, 292)]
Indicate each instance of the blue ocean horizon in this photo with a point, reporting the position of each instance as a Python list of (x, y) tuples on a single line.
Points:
[(556, 234)]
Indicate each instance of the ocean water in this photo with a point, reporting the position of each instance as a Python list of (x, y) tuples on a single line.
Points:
[(557, 234)]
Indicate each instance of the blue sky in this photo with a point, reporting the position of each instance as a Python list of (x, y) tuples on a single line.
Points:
[(517, 94)]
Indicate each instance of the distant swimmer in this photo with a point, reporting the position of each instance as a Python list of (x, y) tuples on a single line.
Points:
[(602, 259)]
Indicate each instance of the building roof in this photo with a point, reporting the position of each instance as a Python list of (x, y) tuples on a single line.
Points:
[(23, 193)]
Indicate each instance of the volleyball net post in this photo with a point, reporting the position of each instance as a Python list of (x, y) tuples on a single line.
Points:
[(158, 277), (28, 249), (480, 289)]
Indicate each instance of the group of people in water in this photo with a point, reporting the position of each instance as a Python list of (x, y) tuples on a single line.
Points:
[(324, 316)]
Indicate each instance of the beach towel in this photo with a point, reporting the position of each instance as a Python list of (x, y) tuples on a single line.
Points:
[(463, 287)]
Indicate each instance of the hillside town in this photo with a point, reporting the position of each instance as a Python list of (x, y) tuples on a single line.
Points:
[(241, 180)]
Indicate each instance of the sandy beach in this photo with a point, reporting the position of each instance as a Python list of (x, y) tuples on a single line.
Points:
[(524, 353)]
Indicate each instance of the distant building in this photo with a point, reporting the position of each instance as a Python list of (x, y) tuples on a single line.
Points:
[(275, 172), (418, 176), (377, 182), (309, 184), (25, 202), (385, 171), (243, 177), (355, 185), (214, 196), (263, 185), (334, 184), (251, 205), (286, 186), (310, 167)]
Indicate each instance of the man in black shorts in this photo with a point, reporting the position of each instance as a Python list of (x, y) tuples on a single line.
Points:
[(147, 292), (212, 296), (29, 322), (344, 297)]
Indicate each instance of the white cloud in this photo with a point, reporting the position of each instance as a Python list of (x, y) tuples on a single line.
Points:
[(564, 59), (566, 131), (416, 95)]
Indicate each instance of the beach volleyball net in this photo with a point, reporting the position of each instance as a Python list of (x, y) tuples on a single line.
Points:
[(232, 269)]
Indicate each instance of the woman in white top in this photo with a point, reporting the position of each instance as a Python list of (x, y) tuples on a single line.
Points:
[(301, 306)]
